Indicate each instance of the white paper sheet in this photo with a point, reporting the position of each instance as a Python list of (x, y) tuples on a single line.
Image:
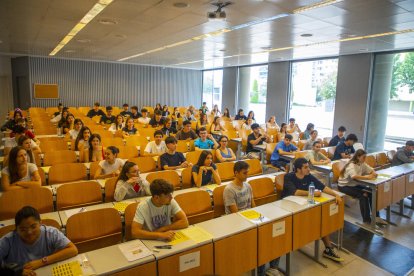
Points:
[(134, 250), (297, 199)]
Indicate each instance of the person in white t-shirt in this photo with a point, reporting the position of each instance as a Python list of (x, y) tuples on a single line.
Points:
[(156, 147), (10, 143), (111, 166), (144, 119), (73, 133), (293, 129), (157, 217)]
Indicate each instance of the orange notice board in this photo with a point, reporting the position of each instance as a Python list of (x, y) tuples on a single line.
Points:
[(46, 91)]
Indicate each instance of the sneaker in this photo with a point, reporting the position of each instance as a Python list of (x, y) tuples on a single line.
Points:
[(379, 220), (331, 254), (273, 272)]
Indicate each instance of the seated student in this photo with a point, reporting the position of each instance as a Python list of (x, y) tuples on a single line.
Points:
[(171, 159), (33, 244), (282, 132), (157, 120), (156, 147), (19, 173), (118, 124), (240, 115), (226, 113), (22, 122), (81, 141), (206, 141), (111, 166), (95, 111), (108, 118), (165, 111), (77, 125), (10, 143), (344, 149), (315, 156), (204, 107), (69, 124), (158, 107), (271, 123), (174, 117), (251, 116), (125, 110), (247, 125), (60, 109), (357, 169), (284, 147), (312, 139), (157, 217), (216, 128), (205, 171), (224, 153), (340, 137), (186, 133), (94, 152), (297, 183), (189, 116), (238, 194), (11, 123), (134, 113), (215, 111), (144, 119), (202, 122), (129, 129), (293, 129), (129, 184), (255, 138), (63, 117), (168, 129), (404, 154), (26, 143), (307, 133)]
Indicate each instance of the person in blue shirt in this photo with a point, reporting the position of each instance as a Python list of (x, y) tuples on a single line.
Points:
[(344, 150), (205, 171), (32, 244), (284, 147), (340, 137), (206, 141)]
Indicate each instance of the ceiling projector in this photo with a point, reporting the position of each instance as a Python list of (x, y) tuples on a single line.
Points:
[(216, 15)]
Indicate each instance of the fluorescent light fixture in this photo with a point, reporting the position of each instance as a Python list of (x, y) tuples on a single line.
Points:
[(94, 11), (210, 34), (315, 6)]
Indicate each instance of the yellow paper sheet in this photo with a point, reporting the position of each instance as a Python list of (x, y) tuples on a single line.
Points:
[(250, 214), (121, 206), (197, 234), (383, 175), (179, 237), (320, 199), (67, 269)]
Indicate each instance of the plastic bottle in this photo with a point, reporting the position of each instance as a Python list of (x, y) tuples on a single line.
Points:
[(311, 193)]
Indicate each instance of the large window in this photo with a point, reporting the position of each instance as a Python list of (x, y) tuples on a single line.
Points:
[(313, 91), (253, 90), (212, 87)]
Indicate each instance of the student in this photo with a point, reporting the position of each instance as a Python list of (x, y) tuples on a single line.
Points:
[(247, 125), (81, 141), (345, 149), (144, 119), (251, 116), (186, 133), (205, 171), (11, 123), (157, 217), (125, 110), (33, 244), (340, 137), (60, 109), (224, 153), (312, 139), (108, 118), (58, 116), (206, 141), (95, 150), (157, 107), (77, 125), (168, 129), (22, 122), (240, 115), (156, 147), (202, 122), (19, 174), (25, 142), (256, 138), (293, 129), (69, 124), (111, 166), (95, 111), (10, 143), (63, 117), (215, 111), (189, 116), (238, 194), (308, 130), (174, 117), (282, 132), (165, 111), (271, 123), (226, 113), (157, 120), (356, 169), (129, 129), (216, 128), (129, 184), (284, 147), (297, 183), (171, 159), (315, 156), (204, 107), (404, 154), (118, 125), (135, 115)]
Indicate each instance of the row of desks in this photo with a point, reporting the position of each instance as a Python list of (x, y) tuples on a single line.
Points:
[(234, 244)]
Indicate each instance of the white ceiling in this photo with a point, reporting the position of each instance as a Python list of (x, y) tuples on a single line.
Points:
[(30, 27)]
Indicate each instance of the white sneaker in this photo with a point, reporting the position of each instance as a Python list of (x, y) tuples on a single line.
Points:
[(273, 272), (379, 220)]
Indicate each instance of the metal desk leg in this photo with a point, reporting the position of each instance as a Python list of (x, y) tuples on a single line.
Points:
[(372, 227), (328, 180), (287, 264), (388, 216), (316, 254), (263, 157), (401, 211), (239, 148)]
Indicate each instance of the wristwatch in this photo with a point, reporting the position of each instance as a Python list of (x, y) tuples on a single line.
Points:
[(44, 260)]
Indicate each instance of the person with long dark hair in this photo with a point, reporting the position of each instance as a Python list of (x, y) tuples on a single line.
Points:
[(81, 141), (26, 143), (205, 171), (11, 123), (129, 184), (118, 125), (77, 125), (111, 166), (95, 150), (223, 152)]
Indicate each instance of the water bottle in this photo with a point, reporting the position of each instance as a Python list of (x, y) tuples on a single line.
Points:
[(59, 131), (311, 193), (167, 133)]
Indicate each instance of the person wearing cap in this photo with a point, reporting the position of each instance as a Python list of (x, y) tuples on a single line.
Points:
[(95, 111), (256, 138), (108, 118), (404, 154), (125, 112)]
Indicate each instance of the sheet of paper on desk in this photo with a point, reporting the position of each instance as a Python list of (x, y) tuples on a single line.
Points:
[(179, 237), (297, 199), (197, 234), (320, 199), (250, 214), (70, 213), (134, 250)]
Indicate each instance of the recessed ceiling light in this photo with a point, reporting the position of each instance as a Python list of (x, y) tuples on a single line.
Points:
[(306, 35), (69, 51), (222, 50), (181, 5), (107, 21), (83, 40), (122, 36)]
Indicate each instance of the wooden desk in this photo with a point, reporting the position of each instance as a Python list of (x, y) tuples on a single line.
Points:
[(64, 217), (235, 244), (239, 146), (332, 215), (262, 149)]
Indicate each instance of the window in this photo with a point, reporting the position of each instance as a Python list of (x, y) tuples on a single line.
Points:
[(212, 88), (252, 91), (312, 95)]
